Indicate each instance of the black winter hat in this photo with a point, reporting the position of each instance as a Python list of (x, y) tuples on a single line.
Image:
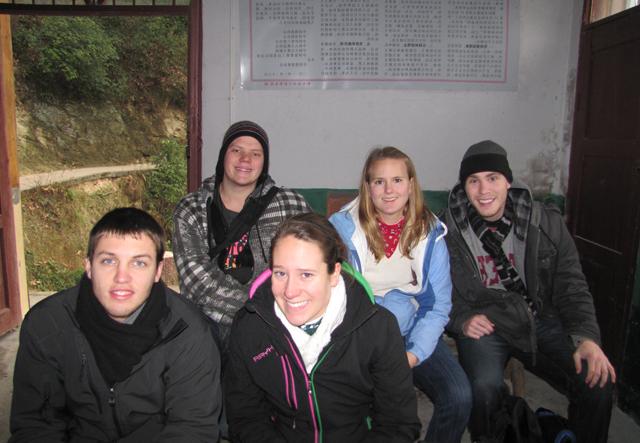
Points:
[(240, 129), (486, 155)]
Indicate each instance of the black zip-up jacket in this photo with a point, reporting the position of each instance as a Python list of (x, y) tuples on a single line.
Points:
[(553, 274), (59, 395), (360, 390)]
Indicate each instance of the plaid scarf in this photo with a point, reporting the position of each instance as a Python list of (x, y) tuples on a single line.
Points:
[(521, 206), (492, 243), (391, 235), (311, 328)]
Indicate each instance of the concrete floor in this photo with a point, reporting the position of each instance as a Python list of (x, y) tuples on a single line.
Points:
[(8, 348), (622, 430)]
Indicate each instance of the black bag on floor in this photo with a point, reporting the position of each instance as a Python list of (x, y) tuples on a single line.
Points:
[(515, 422), (555, 428)]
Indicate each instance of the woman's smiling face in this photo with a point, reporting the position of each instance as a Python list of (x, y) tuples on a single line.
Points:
[(390, 188), (301, 283)]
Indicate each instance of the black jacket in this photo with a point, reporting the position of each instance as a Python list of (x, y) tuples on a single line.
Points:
[(59, 395), (360, 390), (553, 274)]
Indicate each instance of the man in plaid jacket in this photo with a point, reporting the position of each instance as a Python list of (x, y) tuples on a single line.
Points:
[(223, 230)]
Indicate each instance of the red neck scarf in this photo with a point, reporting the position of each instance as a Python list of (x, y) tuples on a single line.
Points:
[(390, 235)]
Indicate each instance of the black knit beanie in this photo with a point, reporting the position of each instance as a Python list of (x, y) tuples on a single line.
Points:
[(486, 155), (240, 129)]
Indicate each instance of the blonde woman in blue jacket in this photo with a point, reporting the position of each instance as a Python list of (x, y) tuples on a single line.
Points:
[(398, 245)]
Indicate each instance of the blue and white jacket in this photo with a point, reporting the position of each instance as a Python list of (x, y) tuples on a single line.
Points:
[(422, 314)]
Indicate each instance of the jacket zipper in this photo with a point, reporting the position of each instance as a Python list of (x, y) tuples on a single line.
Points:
[(46, 404), (316, 431), (83, 366), (112, 403), (532, 322), (313, 391), (293, 390)]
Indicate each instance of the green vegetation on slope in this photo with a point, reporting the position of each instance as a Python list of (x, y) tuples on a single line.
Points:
[(167, 183), (94, 59), (96, 91)]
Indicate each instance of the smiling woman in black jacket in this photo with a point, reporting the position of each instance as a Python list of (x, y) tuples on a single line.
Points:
[(312, 358)]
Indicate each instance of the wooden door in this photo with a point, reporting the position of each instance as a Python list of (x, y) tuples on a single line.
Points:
[(604, 184), (9, 277)]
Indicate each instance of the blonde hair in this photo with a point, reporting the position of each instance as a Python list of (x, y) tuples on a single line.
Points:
[(418, 218)]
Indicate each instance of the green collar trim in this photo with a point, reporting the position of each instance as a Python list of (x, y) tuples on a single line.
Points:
[(346, 267)]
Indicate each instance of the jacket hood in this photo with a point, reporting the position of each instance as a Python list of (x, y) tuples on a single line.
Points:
[(519, 195)]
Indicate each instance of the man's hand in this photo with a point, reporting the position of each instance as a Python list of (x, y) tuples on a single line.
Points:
[(477, 326), (413, 360), (598, 364)]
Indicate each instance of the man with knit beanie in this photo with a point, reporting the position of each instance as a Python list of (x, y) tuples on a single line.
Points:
[(519, 291), (223, 230)]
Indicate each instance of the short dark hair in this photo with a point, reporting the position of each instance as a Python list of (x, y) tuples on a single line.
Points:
[(127, 221), (313, 228)]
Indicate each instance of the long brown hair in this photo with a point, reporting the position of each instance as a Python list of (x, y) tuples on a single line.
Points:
[(418, 218)]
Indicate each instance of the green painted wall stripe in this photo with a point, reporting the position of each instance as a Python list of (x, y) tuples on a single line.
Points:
[(436, 200)]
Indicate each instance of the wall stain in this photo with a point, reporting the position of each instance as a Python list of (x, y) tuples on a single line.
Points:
[(543, 171)]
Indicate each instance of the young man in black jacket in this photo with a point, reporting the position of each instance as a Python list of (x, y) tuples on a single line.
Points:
[(120, 357), (519, 291)]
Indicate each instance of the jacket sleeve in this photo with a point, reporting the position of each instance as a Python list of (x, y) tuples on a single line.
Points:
[(571, 296), (394, 414), (193, 396), (248, 413), (460, 313), (429, 323), (38, 409), (461, 273)]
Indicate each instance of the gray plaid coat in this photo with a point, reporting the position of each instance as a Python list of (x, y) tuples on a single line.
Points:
[(219, 295)]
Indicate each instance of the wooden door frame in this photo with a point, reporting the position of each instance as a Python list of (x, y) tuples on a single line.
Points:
[(9, 182), (573, 206), (194, 91)]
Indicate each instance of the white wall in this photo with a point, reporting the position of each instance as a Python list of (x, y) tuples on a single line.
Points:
[(321, 138)]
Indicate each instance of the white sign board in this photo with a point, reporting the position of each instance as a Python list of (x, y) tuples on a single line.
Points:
[(383, 44)]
